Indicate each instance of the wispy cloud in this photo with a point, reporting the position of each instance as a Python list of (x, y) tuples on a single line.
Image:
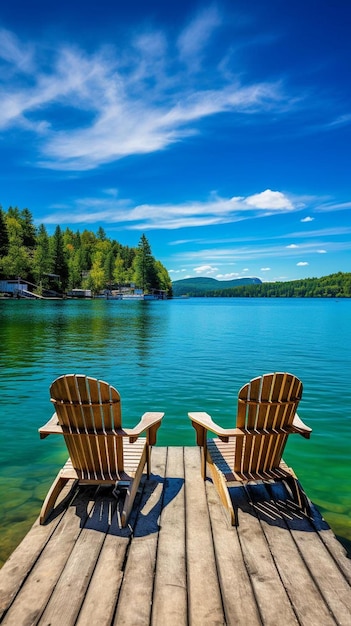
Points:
[(330, 207), (174, 216), (228, 276), (194, 38), (221, 255), (205, 269), (17, 55), (89, 109), (341, 120)]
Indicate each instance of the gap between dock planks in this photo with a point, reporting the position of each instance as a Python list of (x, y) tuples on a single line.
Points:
[(178, 562)]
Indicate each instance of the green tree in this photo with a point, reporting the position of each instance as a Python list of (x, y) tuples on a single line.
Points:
[(87, 242), (29, 233), (97, 274), (163, 278), (59, 259), (145, 275), (119, 271), (101, 235), (41, 258), (4, 240), (109, 266), (17, 261)]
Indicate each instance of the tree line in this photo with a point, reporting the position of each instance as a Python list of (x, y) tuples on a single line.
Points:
[(332, 286), (74, 260)]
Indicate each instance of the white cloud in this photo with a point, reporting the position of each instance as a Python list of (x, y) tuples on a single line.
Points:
[(228, 276), (342, 120), (332, 231), (16, 53), (270, 200), (176, 271), (123, 102), (322, 251), (265, 269), (162, 216), (292, 246), (205, 269), (194, 37), (302, 263), (307, 219), (333, 206)]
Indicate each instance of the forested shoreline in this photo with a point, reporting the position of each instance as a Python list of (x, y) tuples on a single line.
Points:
[(69, 260), (332, 286)]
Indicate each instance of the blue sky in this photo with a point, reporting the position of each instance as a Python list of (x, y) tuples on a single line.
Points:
[(221, 130)]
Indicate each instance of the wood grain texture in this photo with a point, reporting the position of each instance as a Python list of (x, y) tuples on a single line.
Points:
[(178, 561)]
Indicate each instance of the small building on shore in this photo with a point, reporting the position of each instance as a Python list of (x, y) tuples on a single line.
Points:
[(79, 293), (13, 287)]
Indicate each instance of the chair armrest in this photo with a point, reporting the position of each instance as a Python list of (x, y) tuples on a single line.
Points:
[(205, 422), (52, 427), (149, 422), (300, 427)]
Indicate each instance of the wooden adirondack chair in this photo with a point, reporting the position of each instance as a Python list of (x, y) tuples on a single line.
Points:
[(88, 415), (252, 451)]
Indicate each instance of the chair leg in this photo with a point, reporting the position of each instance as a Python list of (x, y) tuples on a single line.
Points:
[(203, 462), (148, 460), (221, 486), (53, 493), (132, 489)]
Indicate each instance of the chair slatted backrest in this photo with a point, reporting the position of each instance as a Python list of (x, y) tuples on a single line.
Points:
[(89, 411), (266, 408)]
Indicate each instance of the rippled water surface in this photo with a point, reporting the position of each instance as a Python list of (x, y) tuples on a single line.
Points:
[(173, 356)]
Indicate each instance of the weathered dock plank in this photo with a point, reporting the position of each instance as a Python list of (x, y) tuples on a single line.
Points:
[(30, 603), (170, 589), (203, 607), (135, 598), (299, 584), (324, 570), (21, 561), (273, 603), (178, 561), (238, 597)]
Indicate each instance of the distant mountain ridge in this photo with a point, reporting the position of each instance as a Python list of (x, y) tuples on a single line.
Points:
[(332, 286), (193, 286)]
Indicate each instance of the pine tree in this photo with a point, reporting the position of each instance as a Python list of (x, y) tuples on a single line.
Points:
[(59, 261), (41, 259), (145, 275), (4, 240), (29, 234)]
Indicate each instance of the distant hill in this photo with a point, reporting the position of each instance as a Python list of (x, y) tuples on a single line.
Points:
[(332, 286), (202, 285)]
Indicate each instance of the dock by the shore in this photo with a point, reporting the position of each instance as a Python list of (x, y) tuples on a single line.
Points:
[(178, 562)]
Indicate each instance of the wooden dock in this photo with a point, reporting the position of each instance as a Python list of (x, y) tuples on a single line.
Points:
[(179, 562)]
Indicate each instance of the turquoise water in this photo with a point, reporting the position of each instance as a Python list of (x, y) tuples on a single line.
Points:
[(173, 356)]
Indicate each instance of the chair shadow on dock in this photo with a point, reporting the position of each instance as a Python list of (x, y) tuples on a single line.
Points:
[(100, 510), (81, 567), (273, 504)]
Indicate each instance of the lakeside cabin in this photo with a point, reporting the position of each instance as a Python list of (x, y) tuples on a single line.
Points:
[(14, 287)]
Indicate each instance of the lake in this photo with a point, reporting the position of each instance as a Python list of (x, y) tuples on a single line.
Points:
[(173, 356)]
